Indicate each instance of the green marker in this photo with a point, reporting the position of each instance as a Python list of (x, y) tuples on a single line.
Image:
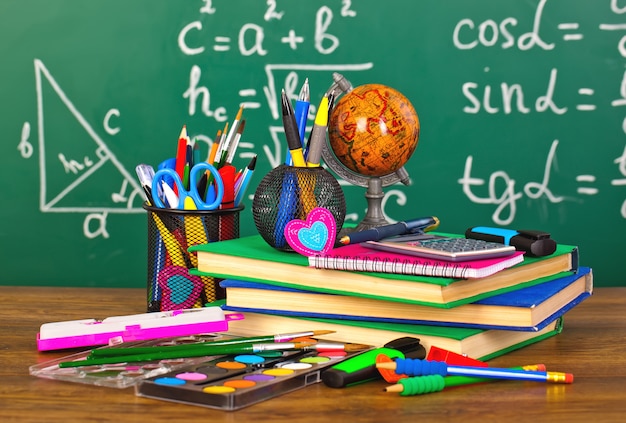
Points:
[(362, 368)]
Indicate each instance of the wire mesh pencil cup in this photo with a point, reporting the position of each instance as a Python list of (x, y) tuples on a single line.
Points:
[(170, 233), (287, 193)]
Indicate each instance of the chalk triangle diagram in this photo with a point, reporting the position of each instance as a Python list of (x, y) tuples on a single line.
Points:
[(77, 176)]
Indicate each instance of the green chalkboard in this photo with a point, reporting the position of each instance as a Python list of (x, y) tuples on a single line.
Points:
[(522, 107)]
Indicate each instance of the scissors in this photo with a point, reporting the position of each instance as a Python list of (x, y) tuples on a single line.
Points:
[(189, 199)]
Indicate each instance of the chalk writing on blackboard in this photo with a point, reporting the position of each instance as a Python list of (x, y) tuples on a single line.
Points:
[(509, 98), (79, 167)]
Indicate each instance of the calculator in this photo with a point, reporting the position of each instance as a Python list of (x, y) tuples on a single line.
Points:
[(444, 248)]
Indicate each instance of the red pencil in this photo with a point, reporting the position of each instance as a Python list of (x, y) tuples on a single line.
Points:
[(181, 155)]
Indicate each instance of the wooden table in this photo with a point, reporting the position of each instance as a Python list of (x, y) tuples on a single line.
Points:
[(592, 346)]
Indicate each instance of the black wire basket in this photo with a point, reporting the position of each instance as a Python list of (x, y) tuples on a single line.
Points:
[(287, 193)]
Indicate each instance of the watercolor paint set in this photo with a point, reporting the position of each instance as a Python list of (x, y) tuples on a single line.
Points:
[(236, 381), (122, 375)]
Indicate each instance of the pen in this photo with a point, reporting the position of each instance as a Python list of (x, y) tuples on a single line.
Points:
[(302, 108), (318, 134), (145, 173), (291, 132), (244, 181), (184, 353), (375, 234)]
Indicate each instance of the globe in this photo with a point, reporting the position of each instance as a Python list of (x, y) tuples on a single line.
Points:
[(373, 130)]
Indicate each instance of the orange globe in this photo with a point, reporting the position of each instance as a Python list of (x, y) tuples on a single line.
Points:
[(373, 130)]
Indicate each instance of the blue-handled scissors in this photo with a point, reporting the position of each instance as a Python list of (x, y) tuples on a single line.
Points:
[(189, 199)]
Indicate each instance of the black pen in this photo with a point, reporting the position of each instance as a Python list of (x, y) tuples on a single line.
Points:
[(406, 227), (291, 132)]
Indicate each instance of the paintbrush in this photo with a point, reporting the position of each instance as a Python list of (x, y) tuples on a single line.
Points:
[(336, 346), (110, 352), (185, 353)]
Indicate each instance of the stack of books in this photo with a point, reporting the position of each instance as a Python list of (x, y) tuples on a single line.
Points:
[(503, 307)]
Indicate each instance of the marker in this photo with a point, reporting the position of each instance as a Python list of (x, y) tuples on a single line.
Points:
[(535, 243), (362, 368), (291, 132), (416, 367), (424, 224), (318, 134), (244, 181)]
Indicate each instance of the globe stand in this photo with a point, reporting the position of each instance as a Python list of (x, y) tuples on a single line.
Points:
[(374, 195)]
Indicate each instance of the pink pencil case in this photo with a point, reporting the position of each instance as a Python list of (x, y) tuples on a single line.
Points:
[(136, 327)]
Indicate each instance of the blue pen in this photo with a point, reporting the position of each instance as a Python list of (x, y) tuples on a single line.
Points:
[(287, 206), (167, 164), (302, 110), (301, 114), (242, 185)]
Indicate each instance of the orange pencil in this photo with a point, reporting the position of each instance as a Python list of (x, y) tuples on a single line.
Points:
[(214, 147)]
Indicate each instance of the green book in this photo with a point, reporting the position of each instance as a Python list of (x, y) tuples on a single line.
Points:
[(251, 258), (482, 344)]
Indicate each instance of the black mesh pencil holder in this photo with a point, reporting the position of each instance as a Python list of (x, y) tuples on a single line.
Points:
[(287, 193), (170, 233)]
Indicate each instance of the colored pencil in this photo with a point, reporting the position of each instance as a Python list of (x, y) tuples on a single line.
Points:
[(416, 367)]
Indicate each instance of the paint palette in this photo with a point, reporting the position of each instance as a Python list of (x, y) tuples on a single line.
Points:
[(234, 382), (122, 375)]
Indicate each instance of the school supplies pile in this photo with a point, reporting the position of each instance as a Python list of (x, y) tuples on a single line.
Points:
[(187, 182), (215, 370), (482, 317)]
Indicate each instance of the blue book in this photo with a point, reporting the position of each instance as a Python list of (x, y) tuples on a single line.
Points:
[(527, 309)]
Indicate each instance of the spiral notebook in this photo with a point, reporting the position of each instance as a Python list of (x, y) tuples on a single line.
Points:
[(356, 258)]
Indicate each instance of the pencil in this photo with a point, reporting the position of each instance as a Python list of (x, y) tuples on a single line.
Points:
[(434, 383), (417, 367)]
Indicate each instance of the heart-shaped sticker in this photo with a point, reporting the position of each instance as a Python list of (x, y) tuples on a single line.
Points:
[(180, 289), (314, 236)]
